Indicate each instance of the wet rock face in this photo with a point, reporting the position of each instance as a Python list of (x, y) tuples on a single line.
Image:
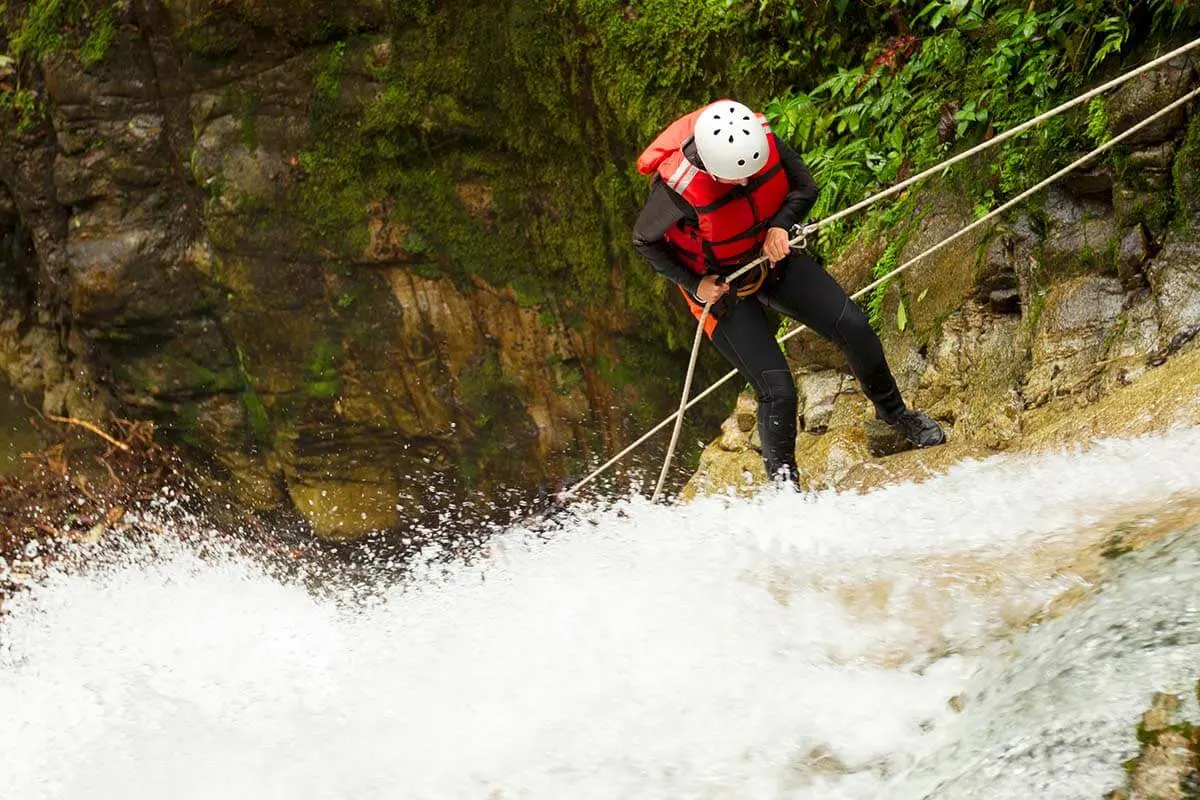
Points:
[(347, 376), (1072, 336), (1174, 276)]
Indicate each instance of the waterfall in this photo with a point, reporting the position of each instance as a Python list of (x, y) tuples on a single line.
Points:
[(782, 646)]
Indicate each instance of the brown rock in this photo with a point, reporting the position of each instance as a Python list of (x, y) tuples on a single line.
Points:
[(1078, 232), (1005, 301), (1132, 254), (884, 440), (1070, 337), (1147, 93), (1135, 338), (819, 392), (733, 439), (1174, 276), (1157, 157), (746, 412)]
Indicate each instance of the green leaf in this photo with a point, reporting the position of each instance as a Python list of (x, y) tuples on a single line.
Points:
[(901, 316), (921, 296)]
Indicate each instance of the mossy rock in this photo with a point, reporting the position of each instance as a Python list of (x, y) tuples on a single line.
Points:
[(344, 509)]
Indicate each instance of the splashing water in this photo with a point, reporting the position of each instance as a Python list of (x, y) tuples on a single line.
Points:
[(778, 647)]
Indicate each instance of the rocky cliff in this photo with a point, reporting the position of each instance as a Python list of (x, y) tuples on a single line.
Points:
[(368, 256), (372, 256), (1075, 318)]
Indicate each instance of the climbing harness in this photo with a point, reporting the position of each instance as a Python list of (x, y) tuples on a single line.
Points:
[(800, 234), (748, 288)]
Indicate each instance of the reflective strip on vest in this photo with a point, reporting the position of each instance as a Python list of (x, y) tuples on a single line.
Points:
[(682, 176)]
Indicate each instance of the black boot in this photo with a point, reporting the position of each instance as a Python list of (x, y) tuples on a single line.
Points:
[(777, 406), (786, 475), (917, 427)]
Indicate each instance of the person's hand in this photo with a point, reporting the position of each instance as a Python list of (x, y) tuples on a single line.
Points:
[(776, 246), (711, 289)]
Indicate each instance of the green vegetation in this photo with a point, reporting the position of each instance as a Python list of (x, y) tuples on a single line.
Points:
[(549, 117), (321, 377), (34, 30), (42, 27), (951, 73)]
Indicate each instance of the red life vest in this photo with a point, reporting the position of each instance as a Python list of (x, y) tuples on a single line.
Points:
[(732, 220)]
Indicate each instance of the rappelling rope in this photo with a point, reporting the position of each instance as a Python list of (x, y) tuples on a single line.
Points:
[(687, 387), (801, 238)]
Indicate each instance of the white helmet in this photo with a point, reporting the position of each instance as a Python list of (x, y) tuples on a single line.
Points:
[(731, 141)]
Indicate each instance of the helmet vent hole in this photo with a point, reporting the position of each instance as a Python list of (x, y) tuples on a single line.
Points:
[(717, 132), (741, 162), (745, 131), (731, 139), (756, 156), (746, 118), (732, 110)]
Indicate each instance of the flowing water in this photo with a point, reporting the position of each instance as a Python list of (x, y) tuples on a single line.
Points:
[(778, 647)]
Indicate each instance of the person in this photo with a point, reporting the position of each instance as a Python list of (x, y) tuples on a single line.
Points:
[(725, 190)]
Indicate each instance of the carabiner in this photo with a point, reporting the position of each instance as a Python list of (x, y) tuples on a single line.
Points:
[(800, 230)]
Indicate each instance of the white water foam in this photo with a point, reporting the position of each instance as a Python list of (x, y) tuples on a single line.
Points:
[(780, 647)]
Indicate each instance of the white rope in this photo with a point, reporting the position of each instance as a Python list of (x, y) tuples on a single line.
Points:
[(686, 404), (687, 387)]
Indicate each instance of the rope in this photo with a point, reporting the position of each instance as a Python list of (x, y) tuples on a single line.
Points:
[(802, 236), (687, 387)]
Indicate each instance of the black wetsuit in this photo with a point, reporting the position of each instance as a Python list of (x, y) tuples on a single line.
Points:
[(799, 288)]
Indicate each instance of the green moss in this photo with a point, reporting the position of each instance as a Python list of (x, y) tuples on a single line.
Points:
[(248, 118), (185, 424), (43, 27), (1154, 209), (258, 421), (501, 432), (213, 40), (329, 77), (321, 377), (1186, 173), (200, 378), (24, 106), (102, 32)]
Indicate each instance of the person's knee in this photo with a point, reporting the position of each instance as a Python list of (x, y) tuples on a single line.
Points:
[(854, 328), (778, 388)]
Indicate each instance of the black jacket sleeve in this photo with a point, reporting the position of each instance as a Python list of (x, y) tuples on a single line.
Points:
[(663, 209), (802, 192)]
